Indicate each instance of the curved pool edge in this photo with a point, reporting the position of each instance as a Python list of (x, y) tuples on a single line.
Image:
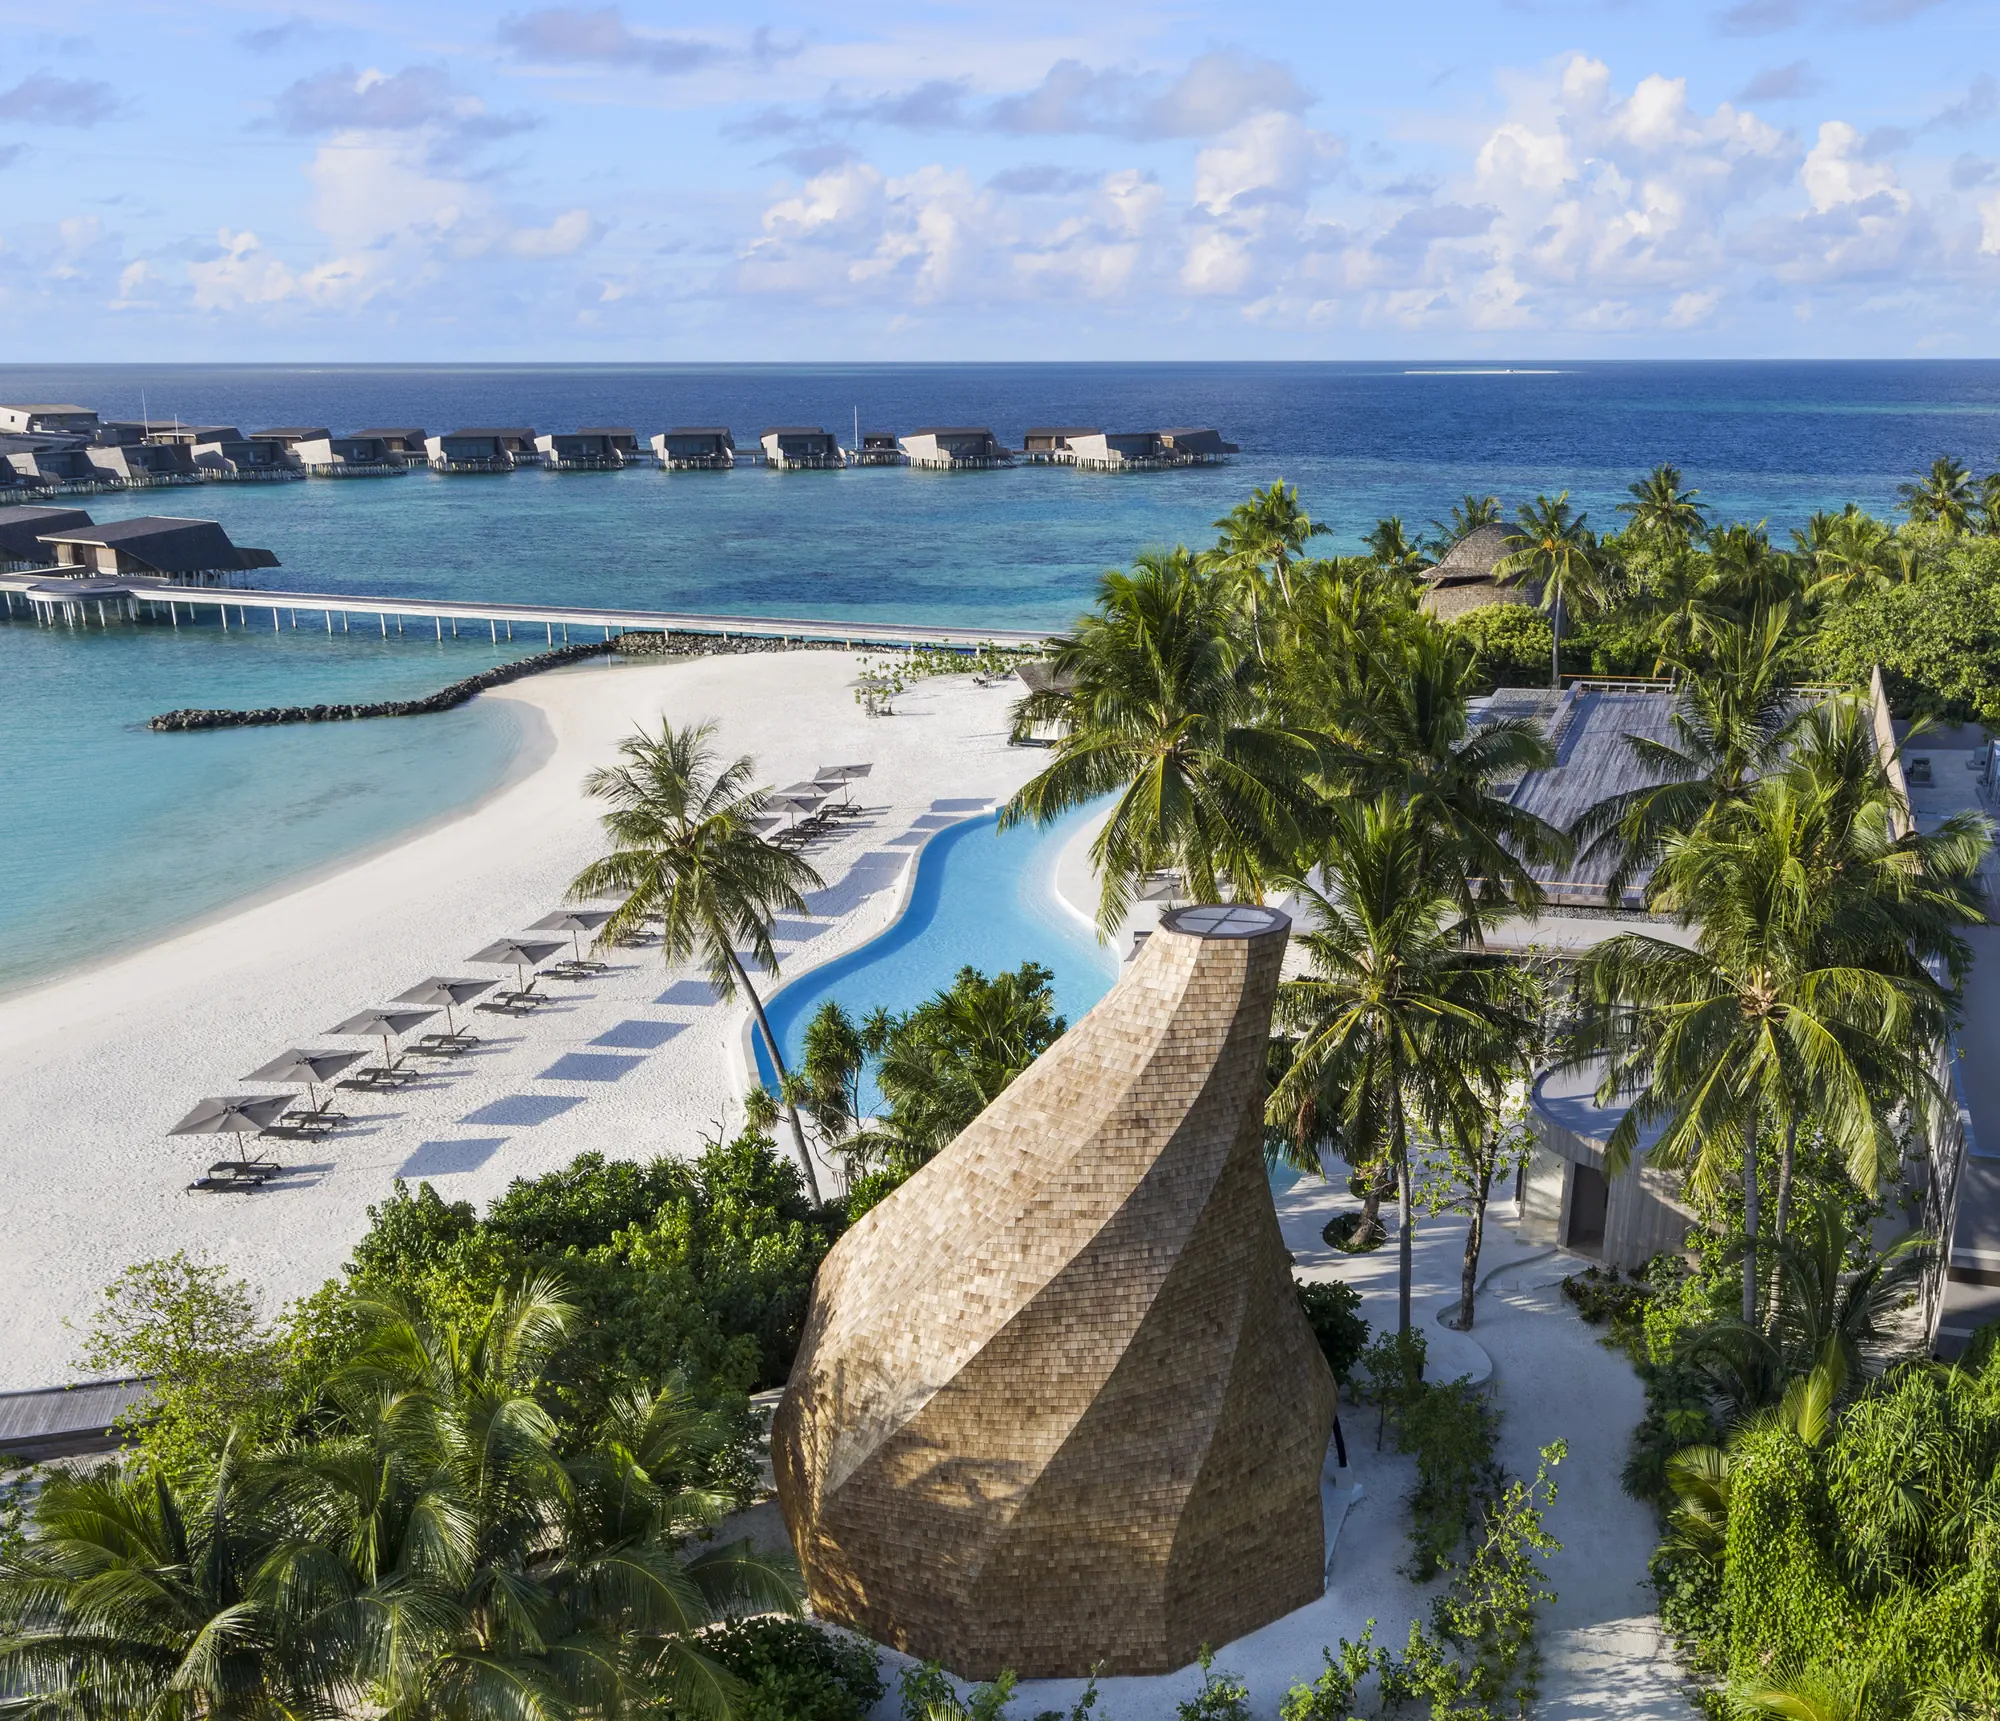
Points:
[(741, 1044)]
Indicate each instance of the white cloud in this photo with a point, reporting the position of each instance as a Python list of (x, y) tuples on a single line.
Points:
[(1835, 171)]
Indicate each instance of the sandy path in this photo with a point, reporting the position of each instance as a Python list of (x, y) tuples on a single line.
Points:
[(100, 1064)]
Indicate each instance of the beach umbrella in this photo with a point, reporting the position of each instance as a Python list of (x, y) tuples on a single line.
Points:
[(383, 1023), (574, 921), (438, 990), (520, 954), (798, 803), (843, 775), (308, 1069), (234, 1114)]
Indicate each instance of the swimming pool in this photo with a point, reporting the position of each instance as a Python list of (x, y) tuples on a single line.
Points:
[(980, 897)]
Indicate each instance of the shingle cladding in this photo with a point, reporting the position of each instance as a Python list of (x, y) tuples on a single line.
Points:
[(1056, 1406)]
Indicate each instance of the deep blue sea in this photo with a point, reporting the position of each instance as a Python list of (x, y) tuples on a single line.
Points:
[(112, 833)]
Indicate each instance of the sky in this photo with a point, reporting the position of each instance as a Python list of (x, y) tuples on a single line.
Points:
[(207, 180)]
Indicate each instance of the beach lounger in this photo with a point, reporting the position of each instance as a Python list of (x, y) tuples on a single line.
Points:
[(377, 1076), (246, 1176), (459, 1039)]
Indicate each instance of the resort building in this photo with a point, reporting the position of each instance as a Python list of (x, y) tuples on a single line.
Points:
[(21, 532), (406, 443), (1464, 580), (189, 552), (598, 450), (122, 455), (362, 455), (44, 462), (45, 420), (879, 448), (1198, 447), (1052, 445), (483, 450), (956, 449), (1123, 451), (695, 449), (801, 448), (1056, 1408), (288, 438)]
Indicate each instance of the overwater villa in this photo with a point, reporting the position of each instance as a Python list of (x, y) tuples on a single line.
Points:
[(21, 532), (365, 454), (223, 451), (1199, 446), (879, 448), (288, 438), (956, 449), (46, 420), (695, 449), (45, 462), (161, 547), (1123, 451), (483, 450), (122, 455), (1050, 445), (598, 450), (406, 443), (804, 448)]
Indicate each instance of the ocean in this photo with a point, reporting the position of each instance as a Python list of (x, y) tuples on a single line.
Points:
[(114, 834)]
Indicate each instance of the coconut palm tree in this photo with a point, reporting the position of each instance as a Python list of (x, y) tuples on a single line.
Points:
[(1943, 496), (1552, 548), (133, 1597), (1788, 1007), (1260, 540), (685, 849), (1854, 553), (1747, 572), (1468, 514), (1989, 504), (1390, 549), (1159, 705), (1662, 512), (1395, 1005), (1411, 734)]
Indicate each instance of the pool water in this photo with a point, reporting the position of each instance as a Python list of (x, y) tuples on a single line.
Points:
[(981, 898)]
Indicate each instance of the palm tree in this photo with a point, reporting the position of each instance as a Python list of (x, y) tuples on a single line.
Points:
[(494, 1567), (1160, 707), (1943, 496), (1789, 1006), (1731, 722), (133, 1597), (1390, 549), (1551, 547), (1411, 734), (685, 850), (1850, 552), (1660, 510), (1468, 514), (1989, 504), (1749, 574), (1394, 1005), (1260, 540)]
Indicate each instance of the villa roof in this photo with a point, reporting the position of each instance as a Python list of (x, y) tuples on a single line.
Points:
[(1473, 557), (490, 430), (605, 430), (167, 544), (406, 431), (21, 530), (1061, 430), (795, 430), (700, 430), (952, 430), (1448, 600), (42, 406), (56, 1421), (293, 433)]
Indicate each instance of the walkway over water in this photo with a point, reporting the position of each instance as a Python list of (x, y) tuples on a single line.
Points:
[(52, 599)]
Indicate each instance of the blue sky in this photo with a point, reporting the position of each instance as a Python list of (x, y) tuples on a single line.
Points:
[(217, 181)]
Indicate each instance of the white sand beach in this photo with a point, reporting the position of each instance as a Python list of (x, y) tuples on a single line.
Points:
[(101, 1063)]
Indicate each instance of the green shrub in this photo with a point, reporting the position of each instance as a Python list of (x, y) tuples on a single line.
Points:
[(927, 1694), (1599, 1295), (1451, 1430), (1333, 1311), (794, 1670), (1393, 1367), (1937, 640), (1510, 644), (1330, 1697), (1222, 1697)]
